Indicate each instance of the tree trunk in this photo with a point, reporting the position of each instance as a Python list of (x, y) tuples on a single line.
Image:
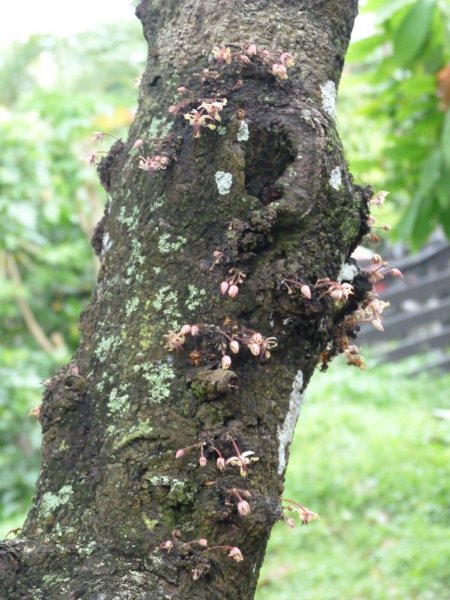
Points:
[(266, 193)]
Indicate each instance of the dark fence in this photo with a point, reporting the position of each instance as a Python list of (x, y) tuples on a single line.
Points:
[(418, 318)]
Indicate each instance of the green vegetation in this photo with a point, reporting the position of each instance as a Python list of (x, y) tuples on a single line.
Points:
[(395, 109), (372, 460)]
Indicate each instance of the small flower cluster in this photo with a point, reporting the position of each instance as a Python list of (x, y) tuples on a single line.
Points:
[(304, 513), (338, 292), (353, 357), (207, 113), (277, 62), (230, 284), (154, 163), (176, 339), (231, 341), (379, 271), (239, 459), (202, 545), (371, 313)]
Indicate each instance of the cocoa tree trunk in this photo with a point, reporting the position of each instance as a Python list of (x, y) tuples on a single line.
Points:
[(266, 193)]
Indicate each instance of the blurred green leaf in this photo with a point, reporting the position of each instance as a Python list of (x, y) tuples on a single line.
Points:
[(413, 31)]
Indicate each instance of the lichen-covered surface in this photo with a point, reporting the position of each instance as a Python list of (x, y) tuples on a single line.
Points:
[(270, 190)]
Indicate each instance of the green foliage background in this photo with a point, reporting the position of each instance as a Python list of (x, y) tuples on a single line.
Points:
[(368, 455)]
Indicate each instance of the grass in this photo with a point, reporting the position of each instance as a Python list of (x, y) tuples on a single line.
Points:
[(373, 461)]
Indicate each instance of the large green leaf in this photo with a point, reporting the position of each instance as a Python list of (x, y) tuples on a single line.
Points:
[(411, 35)]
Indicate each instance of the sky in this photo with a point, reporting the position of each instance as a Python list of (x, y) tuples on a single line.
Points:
[(20, 19)]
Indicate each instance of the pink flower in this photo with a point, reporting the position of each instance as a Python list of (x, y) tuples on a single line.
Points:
[(279, 71), (185, 329), (167, 545), (180, 453), (224, 287), (236, 554), (138, 143), (251, 50)]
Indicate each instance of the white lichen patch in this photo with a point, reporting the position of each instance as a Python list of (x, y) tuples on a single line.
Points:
[(158, 376), (106, 346), (243, 133), (118, 400), (195, 298), (166, 302), (328, 90), (158, 203), (136, 259), (224, 181), (286, 432), (336, 178), (51, 502), (165, 246), (347, 273), (130, 222), (106, 243), (131, 306)]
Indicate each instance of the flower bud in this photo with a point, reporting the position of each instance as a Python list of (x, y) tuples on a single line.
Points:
[(194, 330), (254, 349), (236, 554), (257, 338), (224, 287), (336, 294), (234, 346), (185, 329), (243, 508), (279, 71), (138, 143), (233, 291), (202, 461), (202, 542), (226, 361), (305, 290), (396, 273), (220, 462), (251, 50), (290, 522), (182, 89), (167, 545), (377, 324), (180, 453)]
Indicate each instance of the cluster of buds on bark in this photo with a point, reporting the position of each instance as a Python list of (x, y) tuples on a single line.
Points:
[(201, 546), (236, 494), (230, 285), (154, 163), (239, 459), (303, 513), (278, 62), (231, 343), (379, 270), (338, 292), (371, 313), (176, 339)]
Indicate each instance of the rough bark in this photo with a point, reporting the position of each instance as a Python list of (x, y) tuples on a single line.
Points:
[(110, 489)]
